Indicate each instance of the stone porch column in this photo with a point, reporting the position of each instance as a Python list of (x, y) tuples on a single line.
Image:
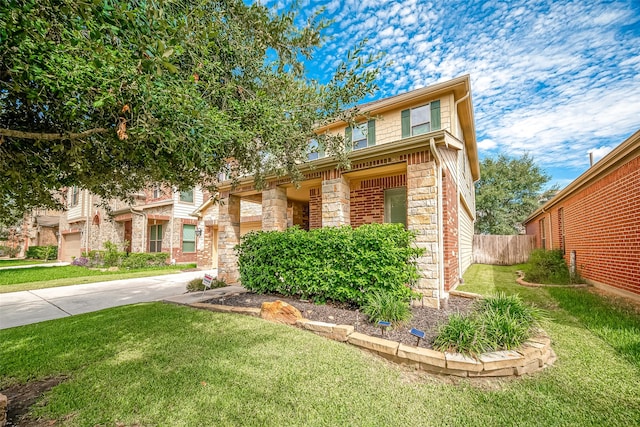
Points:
[(228, 238), (422, 217), (274, 209), (336, 206)]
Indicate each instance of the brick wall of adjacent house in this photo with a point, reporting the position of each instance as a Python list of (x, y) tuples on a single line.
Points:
[(367, 198), (450, 235), (602, 226)]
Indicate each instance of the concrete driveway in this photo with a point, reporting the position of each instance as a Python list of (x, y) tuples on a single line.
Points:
[(26, 307)]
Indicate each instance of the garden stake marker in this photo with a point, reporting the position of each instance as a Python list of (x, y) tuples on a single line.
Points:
[(383, 325), (418, 333)]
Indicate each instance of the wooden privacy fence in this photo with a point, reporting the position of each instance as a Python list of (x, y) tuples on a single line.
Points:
[(502, 250)]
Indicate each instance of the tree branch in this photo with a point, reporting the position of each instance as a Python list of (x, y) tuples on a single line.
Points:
[(50, 136)]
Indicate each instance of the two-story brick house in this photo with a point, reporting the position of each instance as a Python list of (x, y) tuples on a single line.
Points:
[(158, 221), (413, 160)]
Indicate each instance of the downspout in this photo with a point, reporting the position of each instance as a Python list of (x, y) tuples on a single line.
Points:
[(436, 154), (455, 112)]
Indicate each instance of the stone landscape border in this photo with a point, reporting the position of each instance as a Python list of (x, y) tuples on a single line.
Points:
[(520, 281), (533, 356)]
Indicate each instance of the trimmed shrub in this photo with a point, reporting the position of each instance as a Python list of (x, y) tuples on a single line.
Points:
[(333, 263), (381, 306), (42, 252), (196, 285), (9, 251), (141, 260), (548, 267)]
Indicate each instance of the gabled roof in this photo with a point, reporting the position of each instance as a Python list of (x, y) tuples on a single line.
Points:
[(622, 154)]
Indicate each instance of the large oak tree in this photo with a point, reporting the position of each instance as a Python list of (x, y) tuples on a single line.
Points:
[(112, 95)]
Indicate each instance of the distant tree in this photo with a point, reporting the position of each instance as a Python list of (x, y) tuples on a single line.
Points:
[(508, 191), (112, 95)]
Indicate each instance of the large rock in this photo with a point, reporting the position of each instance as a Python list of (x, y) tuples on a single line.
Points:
[(280, 312), (3, 410)]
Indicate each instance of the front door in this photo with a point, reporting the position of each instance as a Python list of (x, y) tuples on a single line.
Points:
[(127, 236)]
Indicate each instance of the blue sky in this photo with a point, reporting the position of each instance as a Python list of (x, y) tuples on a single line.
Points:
[(556, 79)]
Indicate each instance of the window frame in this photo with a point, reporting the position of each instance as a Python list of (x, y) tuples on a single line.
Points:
[(74, 197), (184, 250), (182, 193), (153, 243), (388, 193), (412, 126)]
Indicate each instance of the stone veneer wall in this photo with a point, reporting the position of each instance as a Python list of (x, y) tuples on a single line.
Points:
[(422, 218), (274, 209), (228, 238), (335, 202)]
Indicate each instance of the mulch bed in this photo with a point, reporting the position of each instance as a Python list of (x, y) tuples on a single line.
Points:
[(424, 318)]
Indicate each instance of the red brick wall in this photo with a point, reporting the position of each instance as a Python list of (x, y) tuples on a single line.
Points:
[(450, 222), (602, 224), (367, 198), (315, 208)]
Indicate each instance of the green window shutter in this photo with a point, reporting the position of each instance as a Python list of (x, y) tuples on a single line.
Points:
[(347, 139), (406, 123), (435, 115), (371, 133)]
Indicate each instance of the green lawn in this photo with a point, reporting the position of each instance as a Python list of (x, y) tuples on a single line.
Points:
[(15, 262), (158, 364), (24, 279)]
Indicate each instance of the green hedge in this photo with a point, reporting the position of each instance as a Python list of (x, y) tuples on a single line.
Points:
[(333, 263), (42, 252)]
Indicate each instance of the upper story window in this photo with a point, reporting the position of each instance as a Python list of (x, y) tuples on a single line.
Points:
[(422, 119), (186, 196), (362, 135), (157, 192), (313, 150), (74, 196)]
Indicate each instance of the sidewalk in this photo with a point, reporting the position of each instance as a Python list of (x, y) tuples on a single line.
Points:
[(26, 307), (53, 264)]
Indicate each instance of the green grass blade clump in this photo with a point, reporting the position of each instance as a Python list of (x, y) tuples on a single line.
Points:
[(384, 306), (462, 334), (499, 322)]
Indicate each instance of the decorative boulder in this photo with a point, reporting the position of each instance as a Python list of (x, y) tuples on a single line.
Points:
[(280, 312)]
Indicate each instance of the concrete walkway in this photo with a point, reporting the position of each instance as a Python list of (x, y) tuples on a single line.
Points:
[(26, 307), (52, 264)]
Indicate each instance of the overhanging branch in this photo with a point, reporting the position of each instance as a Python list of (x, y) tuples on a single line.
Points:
[(50, 136)]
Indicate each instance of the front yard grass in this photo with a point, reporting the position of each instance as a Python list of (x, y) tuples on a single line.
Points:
[(158, 364), (25, 279)]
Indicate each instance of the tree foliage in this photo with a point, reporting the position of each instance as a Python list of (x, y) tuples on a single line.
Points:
[(507, 192), (111, 95)]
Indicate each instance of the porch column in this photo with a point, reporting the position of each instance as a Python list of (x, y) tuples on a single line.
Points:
[(422, 218), (228, 238), (336, 206), (274, 209)]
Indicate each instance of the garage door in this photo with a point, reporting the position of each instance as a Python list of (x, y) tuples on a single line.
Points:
[(70, 246)]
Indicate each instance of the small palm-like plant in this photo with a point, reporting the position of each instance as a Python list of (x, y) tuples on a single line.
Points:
[(384, 306)]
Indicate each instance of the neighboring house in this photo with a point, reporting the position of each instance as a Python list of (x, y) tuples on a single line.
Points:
[(158, 221), (414, 162), (38, 228), (595, 221)]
